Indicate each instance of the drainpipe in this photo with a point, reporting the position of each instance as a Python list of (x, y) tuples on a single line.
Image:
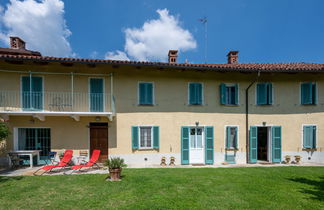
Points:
[(247, 116)]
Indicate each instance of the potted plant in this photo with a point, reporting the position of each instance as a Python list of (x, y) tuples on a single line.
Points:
[(115, 166), (297, 159), (287, 158)]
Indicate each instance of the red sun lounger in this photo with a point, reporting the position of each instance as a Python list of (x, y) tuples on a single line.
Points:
[(92, 162), (62, 164)]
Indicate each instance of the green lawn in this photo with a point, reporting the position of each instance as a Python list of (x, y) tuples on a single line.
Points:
[(186, 188)]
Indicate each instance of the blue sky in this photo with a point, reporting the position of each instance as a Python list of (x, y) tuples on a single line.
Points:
[(262, 30)]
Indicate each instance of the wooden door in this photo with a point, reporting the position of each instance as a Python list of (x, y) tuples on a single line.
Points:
[(99, 139)]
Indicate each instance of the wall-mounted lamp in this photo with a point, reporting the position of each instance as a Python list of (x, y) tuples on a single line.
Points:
[(264, 123), (98, 118), (197, 124)]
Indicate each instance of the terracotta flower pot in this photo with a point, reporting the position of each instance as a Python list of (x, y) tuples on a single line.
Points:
[(115, 174)]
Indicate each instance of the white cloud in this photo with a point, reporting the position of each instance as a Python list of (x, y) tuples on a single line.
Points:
[(155, 38), (40, 24), (117, 55)]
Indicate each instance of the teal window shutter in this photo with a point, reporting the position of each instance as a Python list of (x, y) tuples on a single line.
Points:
[(184, 145), (135, 137), (199, 93), (306, 93), (156, 137), (314, 94), (25, 83), (236, 137), (37, 93), (253, 154), (96, 94), (228, 137), (236, 94), (261, 94), (269, 93), (192, 94), (209, 138), (222, 89), (149, 92), (309, 136), (276, 144)]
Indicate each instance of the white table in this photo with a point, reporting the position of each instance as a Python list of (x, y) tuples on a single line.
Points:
[(29, 153)]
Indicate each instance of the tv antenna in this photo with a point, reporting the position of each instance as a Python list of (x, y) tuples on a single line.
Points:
[(204, 22)]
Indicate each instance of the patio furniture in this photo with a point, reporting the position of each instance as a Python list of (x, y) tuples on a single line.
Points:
[(83, 155), (15, 160), (29, 153), (90, 164), (62, 164), (50, 158)]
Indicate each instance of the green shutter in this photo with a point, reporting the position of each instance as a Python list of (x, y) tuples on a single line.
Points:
[(192, 94), (314, 94), (306, 93), (96, 95), (236, 137), (276, 144), (236, 94), (156, 137), (184, 145), (37, 93), (314, 138), (209, 152), (135, 137), (253, 154), (149, 93), (25, 83), (222, 89), (269, 86), (228, 136), (308, 136), (199, 93), (261, 94)]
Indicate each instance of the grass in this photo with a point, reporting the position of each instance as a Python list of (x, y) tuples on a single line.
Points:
[(186, 188)]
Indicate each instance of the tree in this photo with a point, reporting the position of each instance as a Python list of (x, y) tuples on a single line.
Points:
[(4, 131)]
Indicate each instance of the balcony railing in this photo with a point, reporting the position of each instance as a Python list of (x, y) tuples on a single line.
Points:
[(16, 101)]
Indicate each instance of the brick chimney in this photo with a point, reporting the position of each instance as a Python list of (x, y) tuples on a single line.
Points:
[(17, 43), (232, 57), (173, 56)]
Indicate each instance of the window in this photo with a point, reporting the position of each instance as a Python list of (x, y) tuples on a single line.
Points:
[(145, 90), (229, 94), (309, 136), (264, 94), (195, 94), (35, 139), (32, 93), (308, 93), (231, 137), (145, 137)]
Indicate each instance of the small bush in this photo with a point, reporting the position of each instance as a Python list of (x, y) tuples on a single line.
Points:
[(4, 131), (115, 163)]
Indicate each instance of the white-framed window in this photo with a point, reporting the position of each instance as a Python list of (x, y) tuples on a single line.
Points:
[(231, 140), (229, 94), (145, 137)]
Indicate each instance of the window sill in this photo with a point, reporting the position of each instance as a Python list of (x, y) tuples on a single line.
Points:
[(145, 149), (309, 149), (231, 149), (145, 104), (308, 104), (195, 104), (264, 104), (230, 105)]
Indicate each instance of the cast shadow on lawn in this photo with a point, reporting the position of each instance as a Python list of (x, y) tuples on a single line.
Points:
[(317, 190), (9, 178)]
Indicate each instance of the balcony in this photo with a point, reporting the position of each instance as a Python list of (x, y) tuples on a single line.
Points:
[(55, 103)]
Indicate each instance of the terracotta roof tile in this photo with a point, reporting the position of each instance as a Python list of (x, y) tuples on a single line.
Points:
[(265, 67)]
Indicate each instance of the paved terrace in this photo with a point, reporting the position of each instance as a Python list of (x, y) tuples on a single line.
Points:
[(29, 171)]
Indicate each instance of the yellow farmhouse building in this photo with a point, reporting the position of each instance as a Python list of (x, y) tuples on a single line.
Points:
[(143, 111)]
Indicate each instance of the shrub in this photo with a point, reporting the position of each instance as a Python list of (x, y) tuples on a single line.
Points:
[(4, 131), (115, 163)]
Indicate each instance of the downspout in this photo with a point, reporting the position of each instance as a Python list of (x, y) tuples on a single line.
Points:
[(247, 116)]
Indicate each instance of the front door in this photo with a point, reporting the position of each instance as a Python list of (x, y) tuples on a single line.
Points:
[(196, 146), (99, 139)]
